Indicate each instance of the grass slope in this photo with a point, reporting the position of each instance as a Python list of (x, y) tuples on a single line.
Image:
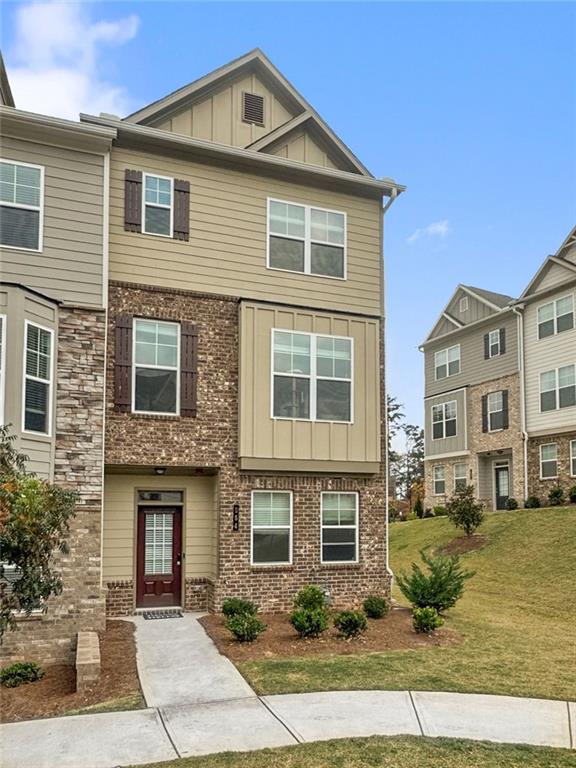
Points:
[(517, 618)]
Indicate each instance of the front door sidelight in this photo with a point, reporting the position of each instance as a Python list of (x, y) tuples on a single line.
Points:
[(159, 569)]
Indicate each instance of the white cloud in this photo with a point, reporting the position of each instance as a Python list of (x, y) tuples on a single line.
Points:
[(53, 62), (436, 229)]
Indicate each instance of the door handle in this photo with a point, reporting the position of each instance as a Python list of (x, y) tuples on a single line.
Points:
[(179, 557)]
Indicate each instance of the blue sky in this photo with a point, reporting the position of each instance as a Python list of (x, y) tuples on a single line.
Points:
[(471, 105)]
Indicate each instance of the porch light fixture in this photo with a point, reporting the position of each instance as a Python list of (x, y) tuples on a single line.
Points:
[(159, 470)]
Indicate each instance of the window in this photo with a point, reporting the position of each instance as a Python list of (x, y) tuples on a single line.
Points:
[(460, 476), (305, 239), (464, 304), (37, 379), (155, 378), (439, 482), (447, 362), (158, 210), (339, 527), (495, 402), (494, 343), (21, 201), (555, 317), (166, 497), (271, 527), (2, 364), (311, 377), (444, 420), (558, 388), (548, 461), (573, 458)]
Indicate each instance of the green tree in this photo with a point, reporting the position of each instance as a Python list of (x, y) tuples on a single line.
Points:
[(440, 587), (465, 511)]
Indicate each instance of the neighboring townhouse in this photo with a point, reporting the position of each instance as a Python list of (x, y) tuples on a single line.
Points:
[(245, 449), (472, 429), (53, 235)]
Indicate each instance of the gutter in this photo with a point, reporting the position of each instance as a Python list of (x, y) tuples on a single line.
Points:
[(518, 310)]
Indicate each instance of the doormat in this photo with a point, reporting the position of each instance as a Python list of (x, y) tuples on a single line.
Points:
[(162, 614)]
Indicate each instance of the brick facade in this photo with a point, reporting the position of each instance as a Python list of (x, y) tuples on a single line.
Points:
[(539, 487)]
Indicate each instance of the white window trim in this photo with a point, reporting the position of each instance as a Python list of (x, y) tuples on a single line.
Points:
[(146, 175), (3, 337), (572, 458), (279, 527), (135, 365), (307, 239), (311, 377), (50, 382), (556, 389), (548, 477), (438, 493), (448, 374), (356, 526), (465, 478), (554, 303), (39, 208), (443, 422), (490, 333), (489, 412)]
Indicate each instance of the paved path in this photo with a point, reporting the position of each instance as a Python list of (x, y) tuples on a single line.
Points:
[(198, 704)]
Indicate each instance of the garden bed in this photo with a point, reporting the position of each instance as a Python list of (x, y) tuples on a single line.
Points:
[(280, 640), (464, 544), (55, 694)]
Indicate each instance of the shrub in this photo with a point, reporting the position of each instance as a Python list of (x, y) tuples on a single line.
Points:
[(419, 508), (17, 674), (439, 511), (245, 627), (235, 606), (556, 497), (309, 622), (511, 503), (393, 514), (311, 597), (572, 494), (428, 513), (426, 619), (465, 511), (375, 607), (350, 623), (440, 588), (532, 502)]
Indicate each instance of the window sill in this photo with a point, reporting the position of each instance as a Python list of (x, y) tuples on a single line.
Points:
[(34, 616)]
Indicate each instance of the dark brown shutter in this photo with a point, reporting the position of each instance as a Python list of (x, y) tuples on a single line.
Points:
[(181, 209), (123, 363), (484, 413), (486, 346), (188, 369), (502, 340), (133, 201), (505, 421)]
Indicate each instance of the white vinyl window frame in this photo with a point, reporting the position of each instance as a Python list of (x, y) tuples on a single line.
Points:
[(149, 366), (289, 527), (556, 389), (356, 528), (494, 343), (170, 207), (444, 420), (49, 381), (307, 239), (492, 399), (312, 377), (3, 337), (437, 470), (39, 208), (549, 461), (460, 474), (445, 354), (555, 316), (573, 458)]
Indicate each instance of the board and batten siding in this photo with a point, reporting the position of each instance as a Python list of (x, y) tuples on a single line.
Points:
[(226, 253), (444, 445), (267, 443), (474, 369), (120, 523), (70, 265), (302, 147)]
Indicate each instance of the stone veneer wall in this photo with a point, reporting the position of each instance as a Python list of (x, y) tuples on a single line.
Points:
[(541, 488), (211, 440), (79, 424)]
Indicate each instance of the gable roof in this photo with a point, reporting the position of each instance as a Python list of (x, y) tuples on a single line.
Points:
[(253, 61), (557, 258), (6, 98), (498, 300)]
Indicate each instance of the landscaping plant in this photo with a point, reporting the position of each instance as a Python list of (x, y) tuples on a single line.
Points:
[(375, 607), (309, 622), (310, 597), (439, 511), (23, 672), (532, 502), (556, 497), (572, 494), (235, 606), (440, 588), (511, 503), (426, 619), (465, 511), (419, 508), (245, 627), (350, 623)]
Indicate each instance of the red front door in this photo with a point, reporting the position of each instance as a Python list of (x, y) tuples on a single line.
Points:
[(159, 571)]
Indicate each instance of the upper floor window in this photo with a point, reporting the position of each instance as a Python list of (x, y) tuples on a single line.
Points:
[(460, 478), (439, 481), (548, 460), (444, 420), (311, 376), (494, 343), (339, 527), (555, 317), (21, 201), (155, 376), (306, 239), (573, 458), (158, 215), (447, 362), (38, 379), (271, 527), (497, 410), (558, 388), (2, 364)]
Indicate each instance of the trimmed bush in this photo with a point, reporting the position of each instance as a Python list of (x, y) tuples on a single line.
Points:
[(245, 627), (350, 623), (419, 508), (465, 511), (17, 674), (532, 502), (235, 606), (311, 597), (511, 503), (375, 607), (556, 497), (439, 511), (572, 494), (309, 622), (440, 588), (426, 619)]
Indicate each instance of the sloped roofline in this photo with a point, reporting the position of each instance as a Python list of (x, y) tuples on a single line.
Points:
[(258, 57), (557, 258), (5, 90)]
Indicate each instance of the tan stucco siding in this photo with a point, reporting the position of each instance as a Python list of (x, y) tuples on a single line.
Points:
[(263, 437), (69, 267), (458, 442), (226, 253)]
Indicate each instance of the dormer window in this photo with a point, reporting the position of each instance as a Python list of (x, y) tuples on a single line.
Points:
[(253, 108)]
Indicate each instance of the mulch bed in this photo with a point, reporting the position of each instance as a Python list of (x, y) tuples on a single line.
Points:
[(56, 694), (463, 544), (280, 640)]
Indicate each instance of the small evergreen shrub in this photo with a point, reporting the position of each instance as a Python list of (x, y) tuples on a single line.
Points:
[(439, 511), (556, 497), (511, 503), (465, 511), (245, 627), (235, 606), (17, 674), (440, 588), (375, 607), (311, 597), (532, 502), (426, 619), (309, 622), (572, 494), (351, 623), (419, 508)]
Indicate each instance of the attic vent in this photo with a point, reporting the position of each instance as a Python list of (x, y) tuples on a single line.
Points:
[(253, 108), (464, 304)]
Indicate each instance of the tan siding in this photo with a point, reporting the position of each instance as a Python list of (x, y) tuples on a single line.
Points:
[(301, 147), (554, 276), (448, 444), (70, 265), (477, 310)]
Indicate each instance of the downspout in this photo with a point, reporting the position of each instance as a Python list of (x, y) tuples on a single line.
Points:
[(518, 311)]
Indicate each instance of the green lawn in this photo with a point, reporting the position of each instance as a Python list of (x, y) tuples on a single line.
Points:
[(517, 618), (386, 752)]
